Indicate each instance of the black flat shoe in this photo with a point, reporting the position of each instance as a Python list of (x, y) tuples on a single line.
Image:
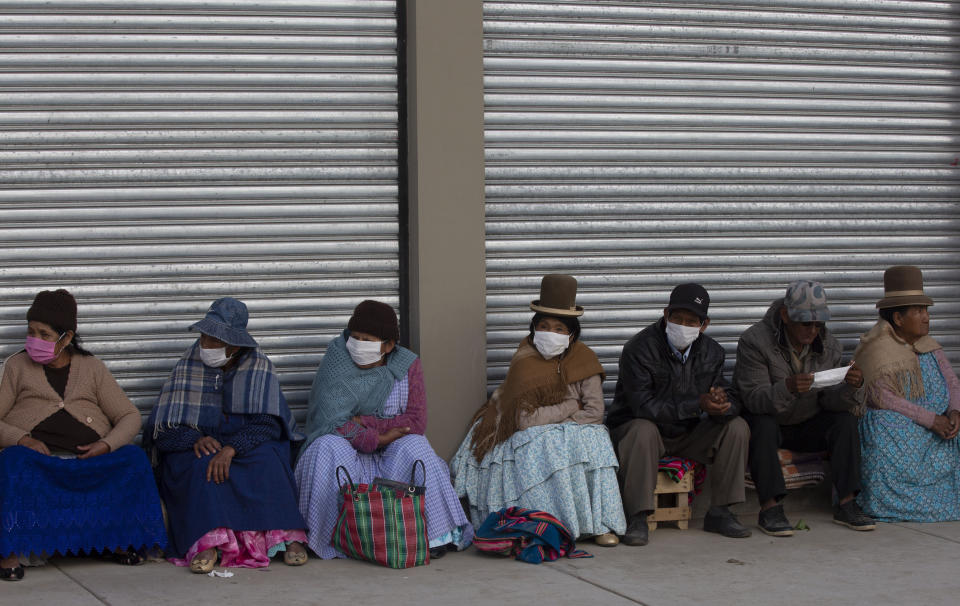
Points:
[(638, 532), (774, 522), (722, 521), (438, 552), (11, 574), (129, 557)]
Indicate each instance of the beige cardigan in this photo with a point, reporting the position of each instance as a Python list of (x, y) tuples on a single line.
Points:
[(92, 397)]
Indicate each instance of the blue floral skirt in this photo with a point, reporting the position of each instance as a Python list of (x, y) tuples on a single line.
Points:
[(909, 473), (568, 470)]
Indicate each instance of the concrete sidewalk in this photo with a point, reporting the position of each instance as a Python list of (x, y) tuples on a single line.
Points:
[(830, 564)]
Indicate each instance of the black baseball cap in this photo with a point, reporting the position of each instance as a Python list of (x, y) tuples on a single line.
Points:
[(691, 297)]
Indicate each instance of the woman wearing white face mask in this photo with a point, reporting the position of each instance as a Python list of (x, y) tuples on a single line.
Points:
[(223, 434), (538, 442), (368, 412), (66, 462)]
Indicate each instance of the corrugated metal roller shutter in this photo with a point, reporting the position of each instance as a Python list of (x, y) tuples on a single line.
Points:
[(156, 155), (742, 144)]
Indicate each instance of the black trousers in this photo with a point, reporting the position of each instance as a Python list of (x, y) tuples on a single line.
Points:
[(835, 432)]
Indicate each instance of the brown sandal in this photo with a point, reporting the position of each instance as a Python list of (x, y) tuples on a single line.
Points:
[(201, 565), (297, 557)]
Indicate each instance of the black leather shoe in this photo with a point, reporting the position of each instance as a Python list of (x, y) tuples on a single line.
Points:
[(774, 523), (721, 520), (637, 531), (850, 515), (11, 574), (441, 550)]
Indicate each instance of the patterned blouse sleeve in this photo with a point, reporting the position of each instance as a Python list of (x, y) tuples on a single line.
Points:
[(953, 384), (257, 430), (177, 439), (362, 438), (888, 400), (415, 416)]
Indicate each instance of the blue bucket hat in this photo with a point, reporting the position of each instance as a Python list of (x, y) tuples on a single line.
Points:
[(226, 320)]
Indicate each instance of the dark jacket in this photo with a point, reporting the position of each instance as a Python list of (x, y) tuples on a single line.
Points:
[(653, 384), (763, 364)]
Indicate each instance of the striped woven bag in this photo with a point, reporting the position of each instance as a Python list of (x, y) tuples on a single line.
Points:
[(382, 522)]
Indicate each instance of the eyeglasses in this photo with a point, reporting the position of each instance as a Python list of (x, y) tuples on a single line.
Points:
[(818, 325)]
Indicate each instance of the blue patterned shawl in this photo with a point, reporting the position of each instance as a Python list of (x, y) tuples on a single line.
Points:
[(193, 394), (342, 390)]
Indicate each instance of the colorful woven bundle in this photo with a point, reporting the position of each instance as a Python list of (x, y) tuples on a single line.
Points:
[(529, 535), (799, 469), (677, 467)]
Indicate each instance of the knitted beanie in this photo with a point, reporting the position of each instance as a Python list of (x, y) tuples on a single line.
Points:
[(55, 308), (375, 318)]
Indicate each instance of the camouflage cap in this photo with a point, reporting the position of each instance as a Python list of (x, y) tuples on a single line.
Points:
[(806, 302)]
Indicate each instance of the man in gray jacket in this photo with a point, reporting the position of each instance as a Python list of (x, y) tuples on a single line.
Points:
[(774, 376)]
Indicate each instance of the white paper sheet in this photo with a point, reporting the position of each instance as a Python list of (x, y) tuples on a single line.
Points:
[(826, 378)]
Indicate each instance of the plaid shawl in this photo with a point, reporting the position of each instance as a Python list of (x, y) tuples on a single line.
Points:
[(193, 394), (531, 536), (342, 390)]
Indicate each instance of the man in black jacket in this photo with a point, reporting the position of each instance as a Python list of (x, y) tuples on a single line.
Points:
[(672, 399)]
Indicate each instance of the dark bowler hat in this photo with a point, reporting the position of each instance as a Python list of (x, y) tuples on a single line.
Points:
[(558, 296), (903, 285)]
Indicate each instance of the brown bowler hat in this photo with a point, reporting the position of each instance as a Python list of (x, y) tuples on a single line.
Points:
[(903, 285), (558, 296)]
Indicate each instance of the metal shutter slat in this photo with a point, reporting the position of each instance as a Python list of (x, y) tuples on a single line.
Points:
[(157, 155), (639, 145)]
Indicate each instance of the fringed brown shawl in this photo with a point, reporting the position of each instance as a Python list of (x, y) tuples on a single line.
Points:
[(532, 382), (887, 361)]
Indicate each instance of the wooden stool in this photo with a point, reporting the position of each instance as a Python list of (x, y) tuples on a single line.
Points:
[(673, 502)]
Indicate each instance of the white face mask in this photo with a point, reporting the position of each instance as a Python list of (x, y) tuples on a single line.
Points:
[(550, 344), (681, 336), (364, 352), (214, 357)]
